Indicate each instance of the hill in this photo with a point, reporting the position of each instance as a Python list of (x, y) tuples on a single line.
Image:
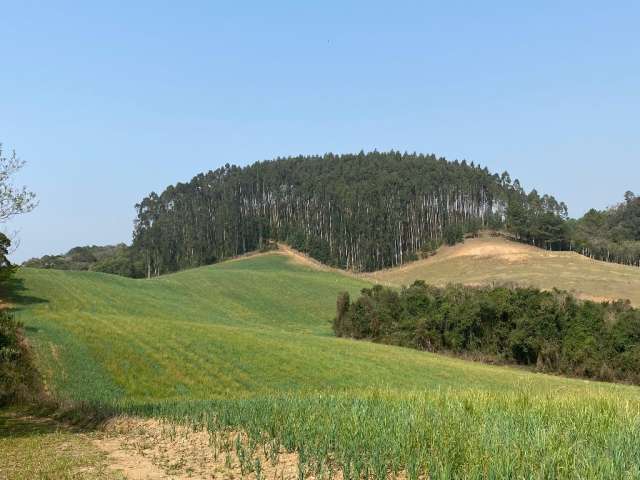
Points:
[(364, 212), (253, 325), (489, 259), (360, 212), (246, 345)]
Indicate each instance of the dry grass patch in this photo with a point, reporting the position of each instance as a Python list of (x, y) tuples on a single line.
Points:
[(495, 260)]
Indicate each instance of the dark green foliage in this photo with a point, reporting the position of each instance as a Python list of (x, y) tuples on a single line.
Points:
[(540, 221), (116, 259), (526, 326), (612, 235), (453, 234), (430, 248), (473, 227), (342, 309), (361, 212), (19, 380), (6, 268)]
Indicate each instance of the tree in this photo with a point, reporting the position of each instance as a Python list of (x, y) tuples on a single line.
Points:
[(453, 234), (6, 268), (629, 196), (342, 309), (13, 201), (18, 378)]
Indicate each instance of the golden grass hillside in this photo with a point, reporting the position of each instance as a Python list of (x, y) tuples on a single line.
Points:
[(486, 260)]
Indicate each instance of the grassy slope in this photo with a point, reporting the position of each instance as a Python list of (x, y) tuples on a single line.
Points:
[(490, 259), (256, 325)]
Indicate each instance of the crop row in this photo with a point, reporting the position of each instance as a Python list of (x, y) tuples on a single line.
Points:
[(439, 435)]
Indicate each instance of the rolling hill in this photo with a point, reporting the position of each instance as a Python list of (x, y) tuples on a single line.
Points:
[(254, 325), (246, 345), (487, 259)]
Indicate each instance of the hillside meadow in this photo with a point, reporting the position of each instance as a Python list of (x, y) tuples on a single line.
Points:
[(246, 346), (496, 260)]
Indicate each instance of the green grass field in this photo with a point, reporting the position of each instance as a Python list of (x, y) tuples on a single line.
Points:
[(246, 345)]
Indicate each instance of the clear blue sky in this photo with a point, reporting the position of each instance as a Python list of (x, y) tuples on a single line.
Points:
[(108, 101)]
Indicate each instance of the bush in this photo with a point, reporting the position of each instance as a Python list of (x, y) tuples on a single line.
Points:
[(430, 248), (549, 330), (453, 234), (19, 380)]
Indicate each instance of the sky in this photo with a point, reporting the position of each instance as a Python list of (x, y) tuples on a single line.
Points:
[(108, 101)]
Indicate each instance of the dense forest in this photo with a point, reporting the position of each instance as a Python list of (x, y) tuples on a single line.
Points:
[(549, 330), (362, 212)]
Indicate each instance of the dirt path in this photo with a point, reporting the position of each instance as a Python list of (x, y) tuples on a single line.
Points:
[(296, 257), (302, 259)]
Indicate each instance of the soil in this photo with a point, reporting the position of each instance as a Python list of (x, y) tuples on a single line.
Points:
[(149, 449)]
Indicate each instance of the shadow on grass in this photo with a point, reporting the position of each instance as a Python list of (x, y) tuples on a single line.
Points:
[(20, 424), (14, 291), (48, 417)]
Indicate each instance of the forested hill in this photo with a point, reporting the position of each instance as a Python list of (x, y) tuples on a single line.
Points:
[(363, 211)]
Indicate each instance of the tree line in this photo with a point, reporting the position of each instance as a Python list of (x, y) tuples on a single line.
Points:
[(612, 235), (363, 212), (116, 259), (551, 331)]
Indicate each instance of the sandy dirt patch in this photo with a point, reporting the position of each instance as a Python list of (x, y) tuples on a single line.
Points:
[(149, 449)]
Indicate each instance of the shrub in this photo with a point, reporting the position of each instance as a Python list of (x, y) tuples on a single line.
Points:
[(453, 233), (19, 380), (430, 248), (549, 330)]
